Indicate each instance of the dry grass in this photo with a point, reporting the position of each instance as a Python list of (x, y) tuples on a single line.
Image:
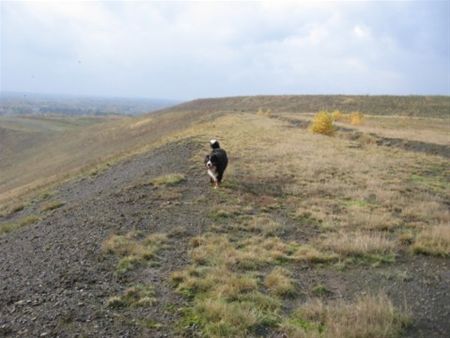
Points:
[(308, 253), (21, 222), (368, 316), (279, 282), (136, 296), (358, 218), (52, 205), (358, 243), (226, 301), (168, 180), (261, 224), (426, 209), (434, 240), (132, 249)]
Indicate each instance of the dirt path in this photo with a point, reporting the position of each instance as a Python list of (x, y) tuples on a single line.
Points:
[(54, 279)]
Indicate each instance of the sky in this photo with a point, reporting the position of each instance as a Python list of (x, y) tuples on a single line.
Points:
[(187, 50)]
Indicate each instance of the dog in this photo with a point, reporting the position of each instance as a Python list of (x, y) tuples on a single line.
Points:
[(216, 163)]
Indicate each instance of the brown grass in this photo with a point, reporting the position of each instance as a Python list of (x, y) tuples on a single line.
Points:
[(368, 316), (434, 240), (262, 224), (132, 249), (226, 301), (358, 243), (279, 282), (168, 180)]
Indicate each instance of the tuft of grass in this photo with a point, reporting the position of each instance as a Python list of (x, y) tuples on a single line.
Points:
[(52, 205), (360, 218), (136, 296), (132, 250), (261, 224), (320, 290), (358, 244), (434, 240), (322, 123), (11, 226), (279, 282), (368, 316), (168, 180), (224, 213), (308, 253)]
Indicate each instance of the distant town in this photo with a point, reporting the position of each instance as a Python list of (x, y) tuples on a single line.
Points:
[(12, 103)]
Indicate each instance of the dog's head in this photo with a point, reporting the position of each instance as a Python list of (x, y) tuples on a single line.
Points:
[(210, 161)]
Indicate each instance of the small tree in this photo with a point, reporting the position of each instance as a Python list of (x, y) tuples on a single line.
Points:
[(322, 123)]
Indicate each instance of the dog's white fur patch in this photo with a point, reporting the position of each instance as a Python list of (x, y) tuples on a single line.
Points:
[(213, 141), (212, 175)]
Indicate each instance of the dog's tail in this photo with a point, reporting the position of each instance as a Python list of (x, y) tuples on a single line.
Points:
[(214, 144)]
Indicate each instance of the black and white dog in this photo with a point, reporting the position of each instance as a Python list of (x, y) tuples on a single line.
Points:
[(216, 163)]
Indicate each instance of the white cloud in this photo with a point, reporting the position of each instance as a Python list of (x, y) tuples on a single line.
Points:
[(214, 49), (361, 32)]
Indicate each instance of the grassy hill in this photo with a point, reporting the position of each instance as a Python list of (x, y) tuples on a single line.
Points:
[(427, 106), (38, 151), (309, 236)]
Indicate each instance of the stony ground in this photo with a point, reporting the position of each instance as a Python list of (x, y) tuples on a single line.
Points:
[(55, 279)]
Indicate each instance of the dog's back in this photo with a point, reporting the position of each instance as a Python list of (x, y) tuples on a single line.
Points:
[(221, 160), (216, 162)]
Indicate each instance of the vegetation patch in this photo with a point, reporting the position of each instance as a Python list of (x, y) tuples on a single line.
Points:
[(133, 249), (11, 226), (371, 246), (308, 253), (368, 316), (320, 290), (262, 224), (52, 205), (136, 296), (168, 180), (322, 123), (279, 282), (434, 240), (224, 213), (363, 218), (226, 302)]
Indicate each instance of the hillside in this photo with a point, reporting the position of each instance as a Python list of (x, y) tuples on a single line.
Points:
[(426, 106), (310, 235), (37, 159)]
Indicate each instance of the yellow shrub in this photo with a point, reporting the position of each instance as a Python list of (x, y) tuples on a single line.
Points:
[(337, 115), (322, 123), (356, 118)]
